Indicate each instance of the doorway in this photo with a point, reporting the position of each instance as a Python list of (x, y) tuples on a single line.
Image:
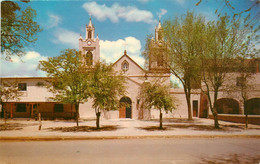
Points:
[(125, 110), (195, 108)]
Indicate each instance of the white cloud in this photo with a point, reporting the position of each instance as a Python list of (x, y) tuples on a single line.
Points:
[(110, 51), (23, 67), (163, 12), (67, 37), (116, 12), (54, 21)]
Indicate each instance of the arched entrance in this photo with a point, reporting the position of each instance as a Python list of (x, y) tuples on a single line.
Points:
[(227, 106), (125, 110), (253, 106)]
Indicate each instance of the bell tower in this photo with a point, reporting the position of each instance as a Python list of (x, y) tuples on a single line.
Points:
[(89, 46), (158, 58)]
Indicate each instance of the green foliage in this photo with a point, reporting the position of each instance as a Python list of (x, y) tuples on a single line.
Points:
[(157, 96), (107, 86), (9, 91), (70, 80), (18, 28), (225, 42), (183, 36), (147, 50)]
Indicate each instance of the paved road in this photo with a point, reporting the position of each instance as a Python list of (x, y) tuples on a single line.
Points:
[(150, 151)]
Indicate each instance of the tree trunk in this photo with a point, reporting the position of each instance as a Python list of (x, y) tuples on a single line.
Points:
[(245, 111), (189, 109), (215, 113), (98, 118), (160, 127), (77, 113), (215, 116), (187, 95), (40, 121)]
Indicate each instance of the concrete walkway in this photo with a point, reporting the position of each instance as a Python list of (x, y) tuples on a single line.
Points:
[(27, 129)]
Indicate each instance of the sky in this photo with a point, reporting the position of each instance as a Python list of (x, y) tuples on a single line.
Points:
[(120, 25)]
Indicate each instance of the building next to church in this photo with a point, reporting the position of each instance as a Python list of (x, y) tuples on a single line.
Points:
[(35, 97)]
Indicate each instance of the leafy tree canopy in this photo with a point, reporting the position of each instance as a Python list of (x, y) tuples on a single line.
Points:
[(69, 78), (106, 87), (18, 28)]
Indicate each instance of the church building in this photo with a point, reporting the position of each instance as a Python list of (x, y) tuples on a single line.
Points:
[(135, 74)]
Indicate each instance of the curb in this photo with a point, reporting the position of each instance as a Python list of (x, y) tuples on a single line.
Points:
[(69, 138)]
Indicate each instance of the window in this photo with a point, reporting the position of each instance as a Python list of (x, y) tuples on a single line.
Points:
[(89, 34), (125, 66), (58, 107), (160, 35), (89, 58), (159, 61), (22, 86), (21, 108)]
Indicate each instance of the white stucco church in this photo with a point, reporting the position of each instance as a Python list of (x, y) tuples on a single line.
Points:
[(136, 75)]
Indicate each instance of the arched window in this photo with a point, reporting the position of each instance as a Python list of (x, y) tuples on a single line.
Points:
[(252, 106), (227, 106), (125, 66), (160, 35), (89, 58), (89, 34), (159, 60)]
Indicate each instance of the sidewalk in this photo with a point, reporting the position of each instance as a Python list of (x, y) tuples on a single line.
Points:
[(23, 129)]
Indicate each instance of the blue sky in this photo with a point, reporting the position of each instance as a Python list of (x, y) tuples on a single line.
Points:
[(120, 24)]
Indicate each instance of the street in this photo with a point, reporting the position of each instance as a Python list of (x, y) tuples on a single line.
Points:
[(164, 151)]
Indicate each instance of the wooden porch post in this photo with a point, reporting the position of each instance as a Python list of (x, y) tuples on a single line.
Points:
[(11, 112), (31, 108)]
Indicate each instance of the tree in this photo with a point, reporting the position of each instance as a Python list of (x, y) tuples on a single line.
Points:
[(244, 84), (225, 40), (232, 37), (70, 79), (107, 86), (18, 28), (8, 91), (245, 68), (157, 96), (183, 38)]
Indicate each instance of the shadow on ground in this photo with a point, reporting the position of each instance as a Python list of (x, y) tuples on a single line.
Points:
[(12, 126), (180, 120), (153, 128), (85, 128), (230, 159), (197, 127)]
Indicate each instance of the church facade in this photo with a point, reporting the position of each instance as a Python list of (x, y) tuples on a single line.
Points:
[(135, 75)]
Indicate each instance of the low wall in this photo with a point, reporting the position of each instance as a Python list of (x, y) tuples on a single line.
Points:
[(252, 119)]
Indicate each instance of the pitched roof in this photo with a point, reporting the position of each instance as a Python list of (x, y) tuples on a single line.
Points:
[(125, 55)]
